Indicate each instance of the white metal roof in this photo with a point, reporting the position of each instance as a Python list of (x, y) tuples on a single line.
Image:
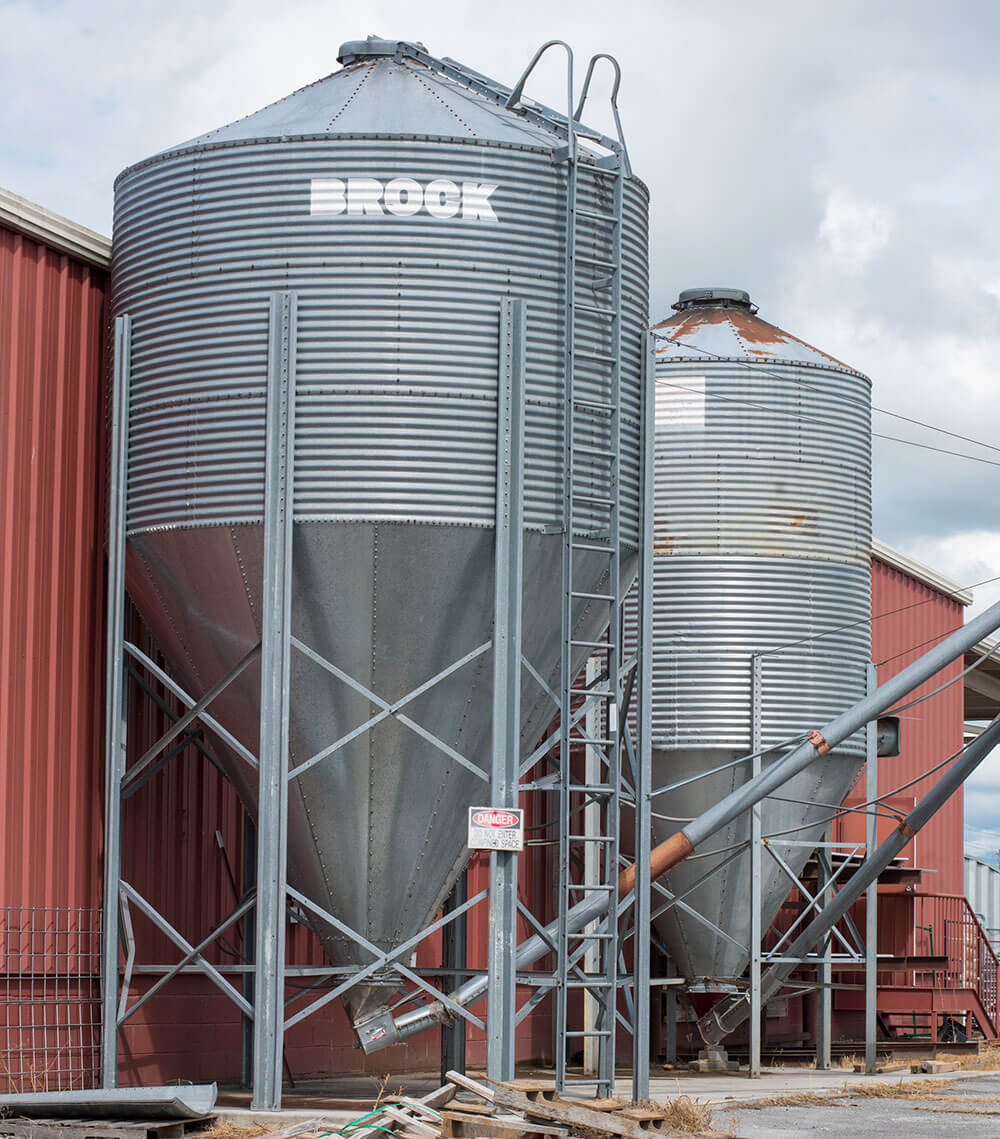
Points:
[(54, 230), (923, 573)]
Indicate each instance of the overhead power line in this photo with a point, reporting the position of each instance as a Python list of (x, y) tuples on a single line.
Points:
[(755, 367)]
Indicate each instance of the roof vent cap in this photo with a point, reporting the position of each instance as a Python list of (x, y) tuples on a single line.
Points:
[(727, 298), (374, 47)]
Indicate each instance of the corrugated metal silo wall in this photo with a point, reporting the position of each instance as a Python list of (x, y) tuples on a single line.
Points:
[(52, 311)]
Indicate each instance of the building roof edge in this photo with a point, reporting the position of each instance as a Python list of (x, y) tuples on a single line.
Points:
[(54, 230), (923, 573)]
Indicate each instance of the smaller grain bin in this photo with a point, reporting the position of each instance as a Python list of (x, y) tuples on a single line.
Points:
[(762, 549)]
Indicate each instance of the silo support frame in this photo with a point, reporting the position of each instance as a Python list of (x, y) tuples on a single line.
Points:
[(116, 712), (507, 608), (275, 667)]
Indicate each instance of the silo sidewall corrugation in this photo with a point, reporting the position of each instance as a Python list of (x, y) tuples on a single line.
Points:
[(396, 365)]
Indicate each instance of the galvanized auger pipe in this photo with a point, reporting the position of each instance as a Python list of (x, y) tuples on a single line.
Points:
[(382, 1030), (729, 1014), (676, 848)]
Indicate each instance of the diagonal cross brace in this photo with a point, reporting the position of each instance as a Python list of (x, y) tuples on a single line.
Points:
[(172, 686), (387, 708), (381, 958), (189, 717), (185, 946)]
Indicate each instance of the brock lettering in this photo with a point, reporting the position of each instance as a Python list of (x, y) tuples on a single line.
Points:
[(403, 197)]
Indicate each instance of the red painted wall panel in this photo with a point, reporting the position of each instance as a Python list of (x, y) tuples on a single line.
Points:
[(908, 618), (51, 574)]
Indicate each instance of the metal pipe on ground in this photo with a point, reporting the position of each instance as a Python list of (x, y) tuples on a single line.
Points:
[(380, 1031), (716, 1024)]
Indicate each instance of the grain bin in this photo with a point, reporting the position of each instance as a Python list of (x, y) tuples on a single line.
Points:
[(762, 548), (401, 202)]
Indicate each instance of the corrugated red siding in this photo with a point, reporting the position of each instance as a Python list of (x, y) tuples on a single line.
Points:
[(909, 617), (51, 574)]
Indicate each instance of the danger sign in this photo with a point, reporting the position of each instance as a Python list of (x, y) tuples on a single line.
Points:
[(496, 828)]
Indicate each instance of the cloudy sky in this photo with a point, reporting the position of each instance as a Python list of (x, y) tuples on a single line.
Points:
[(838, 159)]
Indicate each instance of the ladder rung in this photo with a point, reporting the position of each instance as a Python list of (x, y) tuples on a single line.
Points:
[(590, 838), (593, 596), (590, 984), (592, 740), (600, 499), (600, 357), (596, 549), (603, 310), (597, 263), (591, 644), (593, 889), (601, 452), (592, 788), (594, 1081), (593, 692), (591, 1033), (597, 215), (599, 404)]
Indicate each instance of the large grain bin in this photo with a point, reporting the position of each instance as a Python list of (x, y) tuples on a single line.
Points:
[(401, 206), (762, 548)]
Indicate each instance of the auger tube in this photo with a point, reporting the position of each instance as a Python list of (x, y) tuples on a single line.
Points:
[(382, 1029), (716, 1024), (676, 848)]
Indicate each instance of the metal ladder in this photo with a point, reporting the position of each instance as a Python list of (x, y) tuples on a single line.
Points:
[(591, 521)]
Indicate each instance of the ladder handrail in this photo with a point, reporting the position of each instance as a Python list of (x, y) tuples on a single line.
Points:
[(515, 96), (613, 98)]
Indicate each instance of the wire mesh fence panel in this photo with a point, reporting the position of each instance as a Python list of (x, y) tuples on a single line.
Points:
[(50, 999)]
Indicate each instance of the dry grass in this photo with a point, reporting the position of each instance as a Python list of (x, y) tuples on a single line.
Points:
[(879, 1089), (987, 1058), (794, 1099), (233, 1131), (896, 1089), (684, 1114), (958, 1110)]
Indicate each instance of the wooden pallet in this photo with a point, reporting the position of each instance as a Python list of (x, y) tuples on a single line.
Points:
[(21, 1128), (539, 1102)]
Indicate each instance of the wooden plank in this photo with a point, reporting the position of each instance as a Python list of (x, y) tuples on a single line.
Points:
[(455, 1125), (315, 1124), (477, 1089), (545, 1087), (571, 1113), (467, 1108), (409, 1120)]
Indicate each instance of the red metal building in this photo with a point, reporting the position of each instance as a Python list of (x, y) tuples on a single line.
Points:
[(183, 837)]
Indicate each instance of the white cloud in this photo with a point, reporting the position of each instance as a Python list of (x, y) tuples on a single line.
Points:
[(852, 231)]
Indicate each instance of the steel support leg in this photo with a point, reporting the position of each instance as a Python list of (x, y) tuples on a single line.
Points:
[(871, 894), (249, 933), (454, 953), (116, 706), (756, 853), (644, 744), (824, 994), (272, 825), (508, 584)]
